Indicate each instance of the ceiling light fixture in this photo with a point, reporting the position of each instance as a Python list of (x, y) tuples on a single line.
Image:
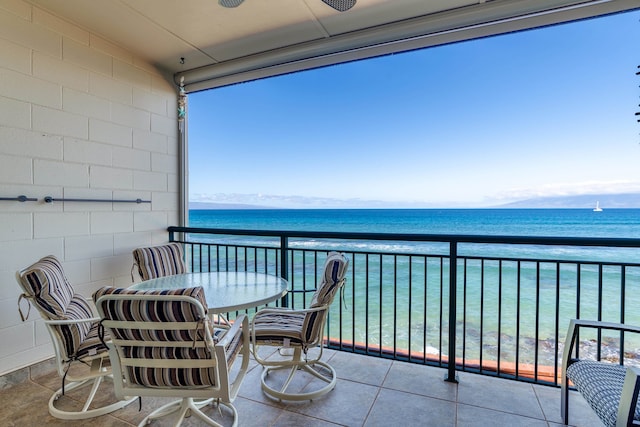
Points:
[(339, 5), (230, 3)]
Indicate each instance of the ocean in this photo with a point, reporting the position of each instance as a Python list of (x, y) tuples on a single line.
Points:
[(617, 223), (538, 284), (520, 222)]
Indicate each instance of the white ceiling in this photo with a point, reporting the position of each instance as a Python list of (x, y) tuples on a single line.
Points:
[(261, 33)]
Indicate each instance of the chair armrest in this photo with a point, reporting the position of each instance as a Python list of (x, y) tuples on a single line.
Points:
[(241, 322), (629, 397), (284, 310), (595, 324), (72, 321), (572, 334)]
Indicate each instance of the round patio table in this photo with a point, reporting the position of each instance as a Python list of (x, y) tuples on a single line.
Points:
[(225, 291)]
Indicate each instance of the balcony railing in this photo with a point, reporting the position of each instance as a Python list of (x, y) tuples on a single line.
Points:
[(509, 298)]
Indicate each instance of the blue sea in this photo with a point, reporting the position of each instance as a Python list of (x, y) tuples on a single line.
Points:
[(618, 223), (612, 223), (519, 222)]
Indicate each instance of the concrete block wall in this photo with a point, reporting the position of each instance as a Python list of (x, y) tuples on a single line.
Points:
[(79, 118)]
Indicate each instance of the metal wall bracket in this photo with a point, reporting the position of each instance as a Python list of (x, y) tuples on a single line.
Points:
[(49, 199), (21, 198)]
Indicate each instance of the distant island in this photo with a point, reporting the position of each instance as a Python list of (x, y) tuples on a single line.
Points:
[(210, 205), (583, 201)]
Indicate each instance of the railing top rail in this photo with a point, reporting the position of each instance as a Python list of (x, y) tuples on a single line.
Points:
[(444, 238)]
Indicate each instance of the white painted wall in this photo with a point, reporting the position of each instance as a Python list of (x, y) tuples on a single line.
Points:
[(79, 118)]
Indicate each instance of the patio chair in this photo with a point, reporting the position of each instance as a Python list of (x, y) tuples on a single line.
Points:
[(81, 358), (158, 261), (300, 330), (611, 389), (163, 345)]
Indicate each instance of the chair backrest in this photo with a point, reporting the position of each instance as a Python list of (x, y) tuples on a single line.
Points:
[(160, 339), (159, 261), (333, 279), (47, 287)]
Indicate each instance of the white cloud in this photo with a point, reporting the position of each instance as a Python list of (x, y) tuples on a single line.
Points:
[(569, 189)]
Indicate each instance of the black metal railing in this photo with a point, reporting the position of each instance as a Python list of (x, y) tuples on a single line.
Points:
[(496, 305)]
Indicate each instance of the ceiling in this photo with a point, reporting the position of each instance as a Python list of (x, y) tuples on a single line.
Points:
[(210, 45)]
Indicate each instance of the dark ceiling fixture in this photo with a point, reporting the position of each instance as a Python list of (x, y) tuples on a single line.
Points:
[(339, 5)]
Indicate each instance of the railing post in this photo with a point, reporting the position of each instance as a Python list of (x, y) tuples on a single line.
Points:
[(453, 280), (284, 265)]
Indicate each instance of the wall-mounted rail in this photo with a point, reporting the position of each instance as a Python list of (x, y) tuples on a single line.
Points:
[(21, 198), (49, 199)]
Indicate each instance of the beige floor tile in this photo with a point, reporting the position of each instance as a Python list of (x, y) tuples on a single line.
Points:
[(473, 416), (501, 395), (292, 419), (359, 368), (348, 404), (423, 380), (399, 408), (370, 392), (580, 413)]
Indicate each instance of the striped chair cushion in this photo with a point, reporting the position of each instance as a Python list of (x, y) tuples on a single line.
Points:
[(600, 383), (92, 343), (46, 282), (47, 286), (299, 328), (335, 268), (233, 349), (159, 261), (137, 309), (160, 339), (272, 327)]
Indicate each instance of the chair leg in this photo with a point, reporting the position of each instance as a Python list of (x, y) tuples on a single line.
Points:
[(186, 407), (85, 412), (195, 410), (564, 402), (92, 393), (317, 374), (295, 365), (162, 411)]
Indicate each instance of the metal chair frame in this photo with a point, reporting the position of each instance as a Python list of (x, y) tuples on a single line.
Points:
[(299, 360), (223, 392), (70, 380)]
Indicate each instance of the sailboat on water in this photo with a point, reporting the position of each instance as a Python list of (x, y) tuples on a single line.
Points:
[(597, 208)]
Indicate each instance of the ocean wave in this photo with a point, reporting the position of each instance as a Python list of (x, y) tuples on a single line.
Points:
[(357, 246)]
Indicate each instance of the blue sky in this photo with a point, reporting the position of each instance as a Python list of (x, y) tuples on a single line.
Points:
[(536, 113)]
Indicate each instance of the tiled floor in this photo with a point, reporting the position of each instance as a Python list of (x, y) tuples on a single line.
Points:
[(370, 392)]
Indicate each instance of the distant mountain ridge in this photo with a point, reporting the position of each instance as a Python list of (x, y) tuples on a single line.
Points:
[(583, 201), (210, 205)]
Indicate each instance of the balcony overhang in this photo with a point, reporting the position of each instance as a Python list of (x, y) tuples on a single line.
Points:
[(465, 23)]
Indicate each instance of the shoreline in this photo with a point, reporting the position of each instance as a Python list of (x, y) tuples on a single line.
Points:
[(541, 373)]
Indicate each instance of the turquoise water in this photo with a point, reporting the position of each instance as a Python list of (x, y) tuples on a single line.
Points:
[(540, 285)]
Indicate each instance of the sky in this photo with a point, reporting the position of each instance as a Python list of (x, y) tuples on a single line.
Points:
[(538, 113)]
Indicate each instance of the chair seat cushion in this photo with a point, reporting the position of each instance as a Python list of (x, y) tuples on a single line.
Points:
[(600, 383), (274, 327), (92, 344)]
